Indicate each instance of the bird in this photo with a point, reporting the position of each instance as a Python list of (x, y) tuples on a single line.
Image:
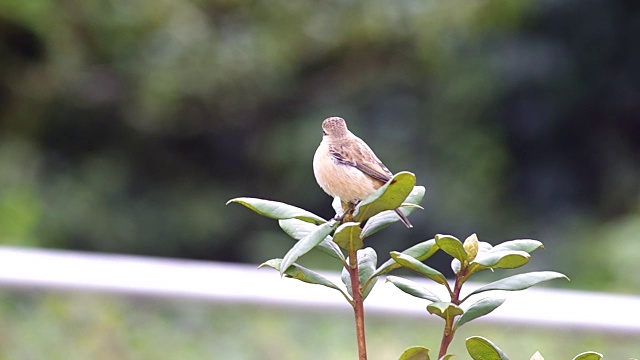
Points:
[(346, 167)]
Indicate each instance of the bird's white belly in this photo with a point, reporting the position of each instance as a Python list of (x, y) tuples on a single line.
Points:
[(344, 181)]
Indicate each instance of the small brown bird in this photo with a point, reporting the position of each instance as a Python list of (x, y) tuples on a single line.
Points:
[(345, 166)]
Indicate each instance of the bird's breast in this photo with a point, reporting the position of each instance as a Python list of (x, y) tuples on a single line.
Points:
[(345, 181)]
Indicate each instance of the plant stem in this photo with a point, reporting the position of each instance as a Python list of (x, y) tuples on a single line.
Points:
[(447, 337), (457, 287), (358, 304), (449, 331)]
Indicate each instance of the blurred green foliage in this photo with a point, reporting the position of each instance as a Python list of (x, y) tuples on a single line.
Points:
[(70, 326), (125, 126)]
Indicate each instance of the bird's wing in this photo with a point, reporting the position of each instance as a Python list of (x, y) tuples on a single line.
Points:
[(360, 156)]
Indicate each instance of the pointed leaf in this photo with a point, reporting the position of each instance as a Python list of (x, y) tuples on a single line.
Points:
[(508, 259), (451, 246), (526, 245), (447, 357), (483, 349), (347, 236), (414, 265), (301, 273), (589, 355), (388, 217), (420, 252), (415, 353), (413, 288), (445, 310), (305, 245), (480, 308), (520, 281), (484, 246), (277, 210), (388, 197), (336, 204), (537, 356), (299, 229), (367, 261), (410, 205)]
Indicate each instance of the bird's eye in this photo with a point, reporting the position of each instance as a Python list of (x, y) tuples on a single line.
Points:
[(324, 133)]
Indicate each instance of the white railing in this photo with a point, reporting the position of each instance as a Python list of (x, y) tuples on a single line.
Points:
[(231, 283)]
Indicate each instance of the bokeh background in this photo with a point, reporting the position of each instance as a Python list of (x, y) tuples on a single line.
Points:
[(126, 126)]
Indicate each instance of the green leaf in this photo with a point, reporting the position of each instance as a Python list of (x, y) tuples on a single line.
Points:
[(413, 288), (336, 204), (277, 210), (299, 229), (301, 273), (412, 264), (347, 236), (483, 349), (456, 266), (526, 245), (388, 197), (537, 356), (589, 355), (367, 259), (447, 357), (480, 308), (420, 252), (346, 280), (388, 217), (415, 353), (445, 310), (305, 245), (483, 247), (507, 259), (367, 262), (451, 246), (520, 281), (409, 205)]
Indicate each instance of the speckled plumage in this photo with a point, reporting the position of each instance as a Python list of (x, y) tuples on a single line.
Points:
[(345, 166)]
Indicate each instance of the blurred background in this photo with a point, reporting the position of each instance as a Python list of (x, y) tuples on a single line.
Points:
[(126, 126)]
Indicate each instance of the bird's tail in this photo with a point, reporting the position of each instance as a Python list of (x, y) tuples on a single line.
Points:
[(404, 219)]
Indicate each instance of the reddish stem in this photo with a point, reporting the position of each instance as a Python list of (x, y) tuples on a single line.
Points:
[(447, 335), (358, 305)]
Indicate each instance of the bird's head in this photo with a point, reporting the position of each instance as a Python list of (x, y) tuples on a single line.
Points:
[(335, 128)]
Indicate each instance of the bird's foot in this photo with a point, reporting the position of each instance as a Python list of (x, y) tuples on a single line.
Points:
[(347, 211)]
